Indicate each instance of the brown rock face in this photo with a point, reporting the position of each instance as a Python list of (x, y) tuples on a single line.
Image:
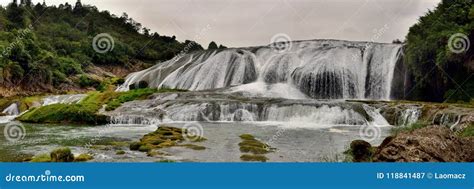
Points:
[(429, 144)]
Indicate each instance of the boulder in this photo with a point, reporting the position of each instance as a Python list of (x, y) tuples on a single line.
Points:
[(62, 155), (428, 144), (361, 151)]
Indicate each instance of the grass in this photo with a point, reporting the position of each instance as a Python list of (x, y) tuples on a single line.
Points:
[(137, 94), (468, 131), (409, 128), (41, 158), (84, 112), (128, 96), (83, 158)]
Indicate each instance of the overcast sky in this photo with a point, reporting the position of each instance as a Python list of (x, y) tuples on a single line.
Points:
[(237, 23)]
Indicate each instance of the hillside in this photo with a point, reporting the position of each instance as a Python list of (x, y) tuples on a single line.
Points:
[(51, 49), (440, 54)]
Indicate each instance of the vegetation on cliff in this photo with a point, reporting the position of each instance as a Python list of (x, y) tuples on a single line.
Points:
[(439, 53), (87, 110), (47, 48)]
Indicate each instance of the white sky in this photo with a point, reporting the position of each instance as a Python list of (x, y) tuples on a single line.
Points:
[(237, 23)]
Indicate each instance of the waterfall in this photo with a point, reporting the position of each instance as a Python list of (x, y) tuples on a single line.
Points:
[(319, 69), (11, 113), (409, 116), (63, 99), (12, 110), (218, 107)]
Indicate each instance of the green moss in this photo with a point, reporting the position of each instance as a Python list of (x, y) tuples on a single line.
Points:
[(163, 137), (136, 94), (120, 152), (247, 137), (252, 145), (166, 161), (84, 112), (83, 157), (145, 148), (410, 128), (41, 158), (135, 146), (468, 131), (62, 155), (193, 146), (253, 157)]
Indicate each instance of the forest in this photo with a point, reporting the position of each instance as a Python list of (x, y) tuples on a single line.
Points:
[(50, 48), (437, 54)]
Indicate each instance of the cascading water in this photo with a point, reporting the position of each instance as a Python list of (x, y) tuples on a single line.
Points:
[(63, 99), (211, 106), (320, 69), (409, 116), (317, 69), (13, 111)]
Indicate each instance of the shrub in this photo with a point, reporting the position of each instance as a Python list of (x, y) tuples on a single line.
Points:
[(62, 155)]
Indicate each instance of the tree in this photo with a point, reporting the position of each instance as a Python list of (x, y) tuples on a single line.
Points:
[(17, 16), (212, 45)]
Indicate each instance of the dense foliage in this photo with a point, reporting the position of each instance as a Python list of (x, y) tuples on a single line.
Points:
[(437, 72), (48, 47)]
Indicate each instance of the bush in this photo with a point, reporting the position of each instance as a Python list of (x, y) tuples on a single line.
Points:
[(62, 155), (83, 157)]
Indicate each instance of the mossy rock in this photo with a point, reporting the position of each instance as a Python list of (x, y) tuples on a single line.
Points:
[(247, 137), (163, 137), (120, 152), (135, 146), (62, 155), (145, 148), (41, 158), (361, 151), (193, 146), (254, 146), (83, 158), (166, 161), (253, 157)]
